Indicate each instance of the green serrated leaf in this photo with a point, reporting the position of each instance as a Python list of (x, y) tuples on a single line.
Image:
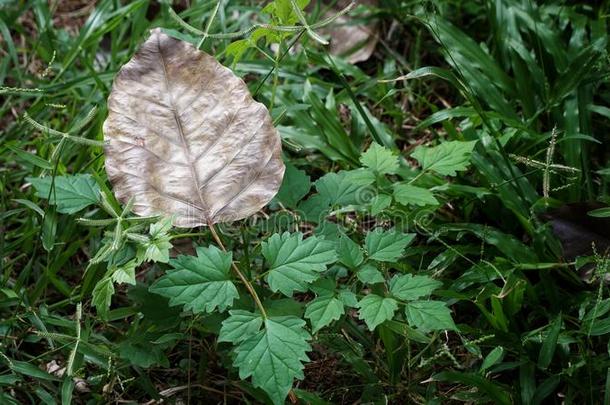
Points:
[(349, 252), (239, 326), (102, 296), (295, 186), (369, 274), (202, 283), (379, 203), (324, 286), (274, 356), (323, 310), (386, 246), (429, 315), (360, 177), (125, 273), (314, 209), (380, 159), (445, 159), (344, 188), (236, 49), (407, 194), (374, 310), (408, 287), (70, 193), (157, 248), (348, 298), (295, 263)]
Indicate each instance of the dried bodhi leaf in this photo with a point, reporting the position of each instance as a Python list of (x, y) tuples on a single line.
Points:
[(184, 137)]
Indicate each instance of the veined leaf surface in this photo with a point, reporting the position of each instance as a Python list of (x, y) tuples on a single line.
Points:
[(184, 137)]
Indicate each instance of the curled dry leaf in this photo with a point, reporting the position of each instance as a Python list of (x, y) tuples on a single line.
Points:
[(184, 137)]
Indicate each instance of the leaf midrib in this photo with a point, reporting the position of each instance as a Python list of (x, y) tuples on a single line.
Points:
[(187, 151)]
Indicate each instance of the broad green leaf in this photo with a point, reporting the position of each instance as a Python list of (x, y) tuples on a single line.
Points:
[(294, 263), (283, 307), (142, 355), (429, 315), (158, 246), (283, 11), (329, 231), (387, 246), (202, 283), (349, 252), (407, 194), (380, 159), (125, 273), (360, 177), (348, 298), (445, 159), (236, 49), (70, 193), (295, 186), (274, 356), (102, 296), (324, 286), (374, 310), (323, 310), (239, 326), (344, 188), (379, 203), (157, 250), (408, 287), (369, 274), (314, 209)]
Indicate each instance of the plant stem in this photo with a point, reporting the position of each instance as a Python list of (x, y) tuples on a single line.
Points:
[(276, 68), (209, 24), (296, 39), (241, 276)]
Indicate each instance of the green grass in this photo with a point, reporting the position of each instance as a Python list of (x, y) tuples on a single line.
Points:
[(515, 90)]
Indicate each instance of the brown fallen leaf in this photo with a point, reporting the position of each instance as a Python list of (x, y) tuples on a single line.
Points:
[(184, 137), (349, 38), (579, 232)]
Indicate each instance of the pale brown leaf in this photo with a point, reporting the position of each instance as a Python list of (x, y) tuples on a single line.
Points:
[(184, 137), (350, 39)]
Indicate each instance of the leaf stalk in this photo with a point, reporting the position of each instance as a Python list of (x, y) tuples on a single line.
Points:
[(241, 276)]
